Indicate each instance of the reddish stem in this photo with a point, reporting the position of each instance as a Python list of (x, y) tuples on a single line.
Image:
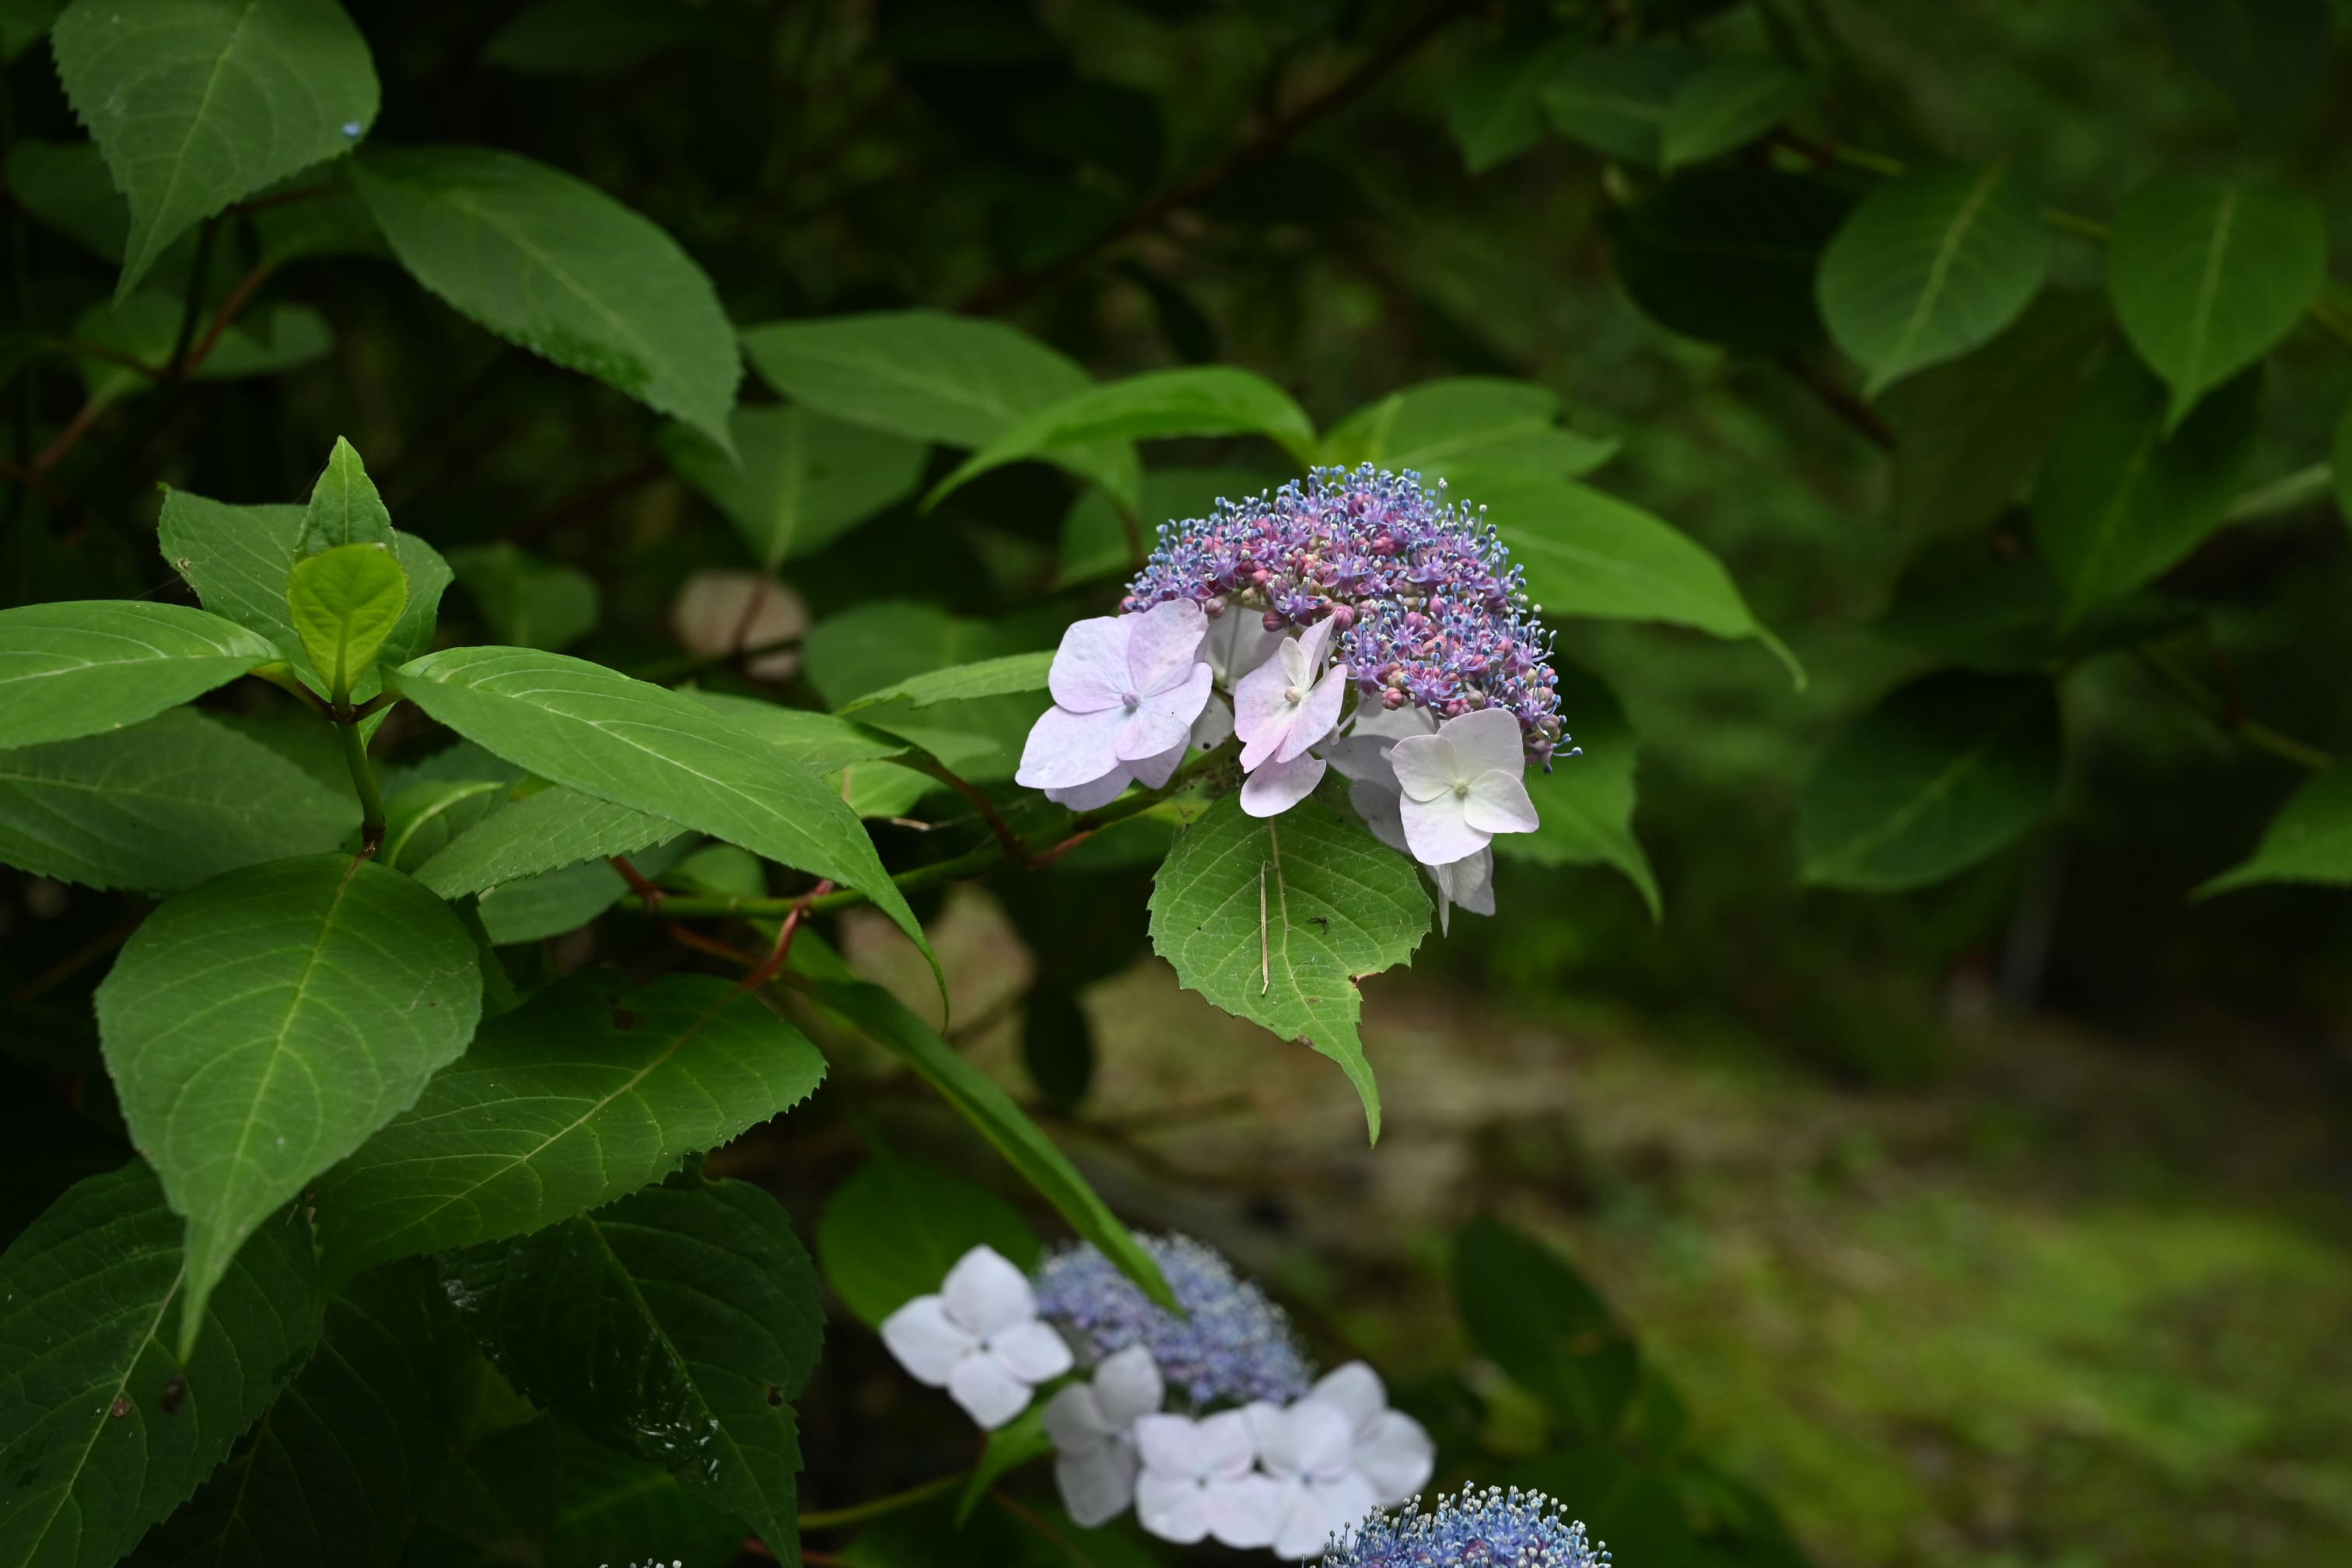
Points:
[(768, 968), (237, 299), (637, 883)]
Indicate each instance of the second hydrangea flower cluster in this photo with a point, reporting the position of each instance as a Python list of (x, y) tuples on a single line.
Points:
[(1357, 621), (1212, 1426)]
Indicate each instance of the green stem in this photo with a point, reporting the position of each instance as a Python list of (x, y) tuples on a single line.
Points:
[(874, 1508), (364, 779), (2254, 733), (2286, 493)]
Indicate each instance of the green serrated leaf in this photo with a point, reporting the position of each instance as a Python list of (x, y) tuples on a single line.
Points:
[(675, 1325), (2310, 839), (655, 751), (1586, 803), (1726, 104), (343, 603), (1276, 918), (1615, 100), (1466, 426), (421, 817), (198, 103), (544, 831), (799, 480), (1929, 264), (162, 806), (103, 1429), (585, 1093), (888, 1021), (91, 665), (342, 1461), (258, 1026), (554, 902), (553, 264), (2118, 501), (2208, 275), (528, 600), (1196, 400), (891, 1232), (344, 506), (1588, 554), (1015, 672), (1729, 256), (1940, 774)]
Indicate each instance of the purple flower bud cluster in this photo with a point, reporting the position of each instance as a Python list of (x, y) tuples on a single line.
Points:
[(1474, 1529), (1430, 609), (1233, 1344)]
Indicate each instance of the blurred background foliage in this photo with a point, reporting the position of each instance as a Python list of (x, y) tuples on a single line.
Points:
[(1999, 1221)]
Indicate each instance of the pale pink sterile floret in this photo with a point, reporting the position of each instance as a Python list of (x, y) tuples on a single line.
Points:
[(980, 1339), (1289, 702), (1391, 1450), (1199, 1480), (1092, 1426), (1307, 1448), (1125, 690), (1463, 785)]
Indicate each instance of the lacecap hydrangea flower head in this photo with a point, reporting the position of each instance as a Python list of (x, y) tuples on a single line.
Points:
[(1234, 1344), (1356, 619), (1473, 1529)]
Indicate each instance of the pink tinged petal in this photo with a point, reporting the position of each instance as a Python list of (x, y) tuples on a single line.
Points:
[(926, 1344), (1164, 645), (1075, 1422), (1065, 750), (1153, 771), (1315, 643), (1215, 724), (1381, 810), (1261, 706), (1089, 672), (1317, 716), (1033, 1350), (1127, 1386), (1098, 1487), (1276, 787), (1425, 767), (1245, 1513), (1396, 1456), (985, 1294), (987, 1389), (1489, 737), (1355, 1391), (1435, 832), (1171, 1507), (1101, 792), (1498, 803), (1164, 719)]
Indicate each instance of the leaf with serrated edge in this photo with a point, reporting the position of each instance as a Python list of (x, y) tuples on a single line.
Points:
[(1276, 918), (676, 1324), (545, 831), (653, 750), (344, 506), (90, 1455), (1012, 673), (162, 806), (196, 104), (583, 1094), (258, 1026), (343, 603), (84, 665), (2310, 839)]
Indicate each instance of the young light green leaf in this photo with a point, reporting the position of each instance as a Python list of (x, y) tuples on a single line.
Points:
[(1729, 254), (526, 599), (198, 103), (2310, 839), (989, 677), (1586, 803), (1196, 400), (891, 1232), (342, 1461), (1727, 103), (1276, 918), (543, 831), (584, 1094), (258, 1026), (2118, 501), (162, 806), (888, 1022), (1466, 426), (344, 508), (2208, 275), (94, 1445), (1588, 554), (676, 1324), (1938, 776), (799, 480), (86, 666), (343, 603), (655, 751), (1615, 100), (552, 263), (1495, 110), (1929, 264)]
